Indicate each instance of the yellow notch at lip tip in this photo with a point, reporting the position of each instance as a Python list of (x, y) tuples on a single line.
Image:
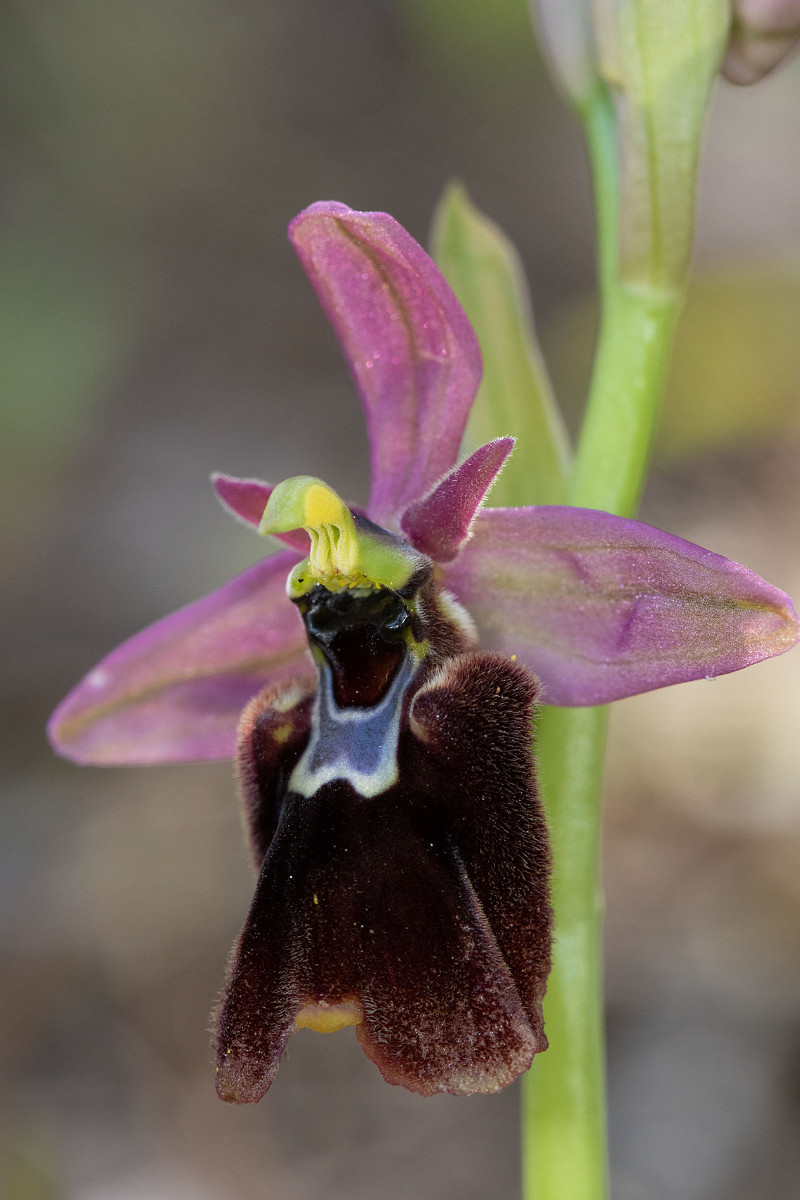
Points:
[(328, 1018)]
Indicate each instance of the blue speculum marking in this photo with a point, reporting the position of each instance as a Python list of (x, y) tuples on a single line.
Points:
[(354, 744)]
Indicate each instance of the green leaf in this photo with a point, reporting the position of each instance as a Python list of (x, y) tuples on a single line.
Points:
[(515, 397)]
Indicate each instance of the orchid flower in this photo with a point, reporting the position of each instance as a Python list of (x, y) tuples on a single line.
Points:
[(384, 760)]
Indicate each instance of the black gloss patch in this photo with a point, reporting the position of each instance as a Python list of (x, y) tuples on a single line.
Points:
[(362, 637)]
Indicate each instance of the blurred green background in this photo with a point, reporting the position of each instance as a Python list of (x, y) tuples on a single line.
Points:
[(155, 326)]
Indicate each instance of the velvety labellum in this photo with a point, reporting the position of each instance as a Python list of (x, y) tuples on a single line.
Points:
[(402, 855)]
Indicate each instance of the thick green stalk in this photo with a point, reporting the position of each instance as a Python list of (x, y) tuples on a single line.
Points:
[(636, 332), (563, 1110), (563, 1097)]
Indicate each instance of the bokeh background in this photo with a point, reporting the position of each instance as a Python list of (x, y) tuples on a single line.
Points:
[(154, 326)]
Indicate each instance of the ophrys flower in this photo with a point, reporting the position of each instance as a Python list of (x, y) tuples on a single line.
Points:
[(387, 776)]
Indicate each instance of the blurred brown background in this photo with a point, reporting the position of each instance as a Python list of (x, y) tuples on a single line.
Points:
[(154, 326)]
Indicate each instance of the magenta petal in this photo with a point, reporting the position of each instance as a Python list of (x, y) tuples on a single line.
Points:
[(174, 692), (439, 523), (601, 607), (411, 349), (247, 499)]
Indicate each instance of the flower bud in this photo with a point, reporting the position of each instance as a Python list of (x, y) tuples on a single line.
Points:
[(661, 59), (762, 34)]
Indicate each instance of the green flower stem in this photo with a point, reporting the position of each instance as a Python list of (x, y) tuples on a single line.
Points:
[(563, 1108), (636, 332), (599, 122), (563, 1096)]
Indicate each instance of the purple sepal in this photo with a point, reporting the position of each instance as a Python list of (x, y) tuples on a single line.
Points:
[(600, 607), (247, 499), (409, 345), (174, 692), (440, 522)]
